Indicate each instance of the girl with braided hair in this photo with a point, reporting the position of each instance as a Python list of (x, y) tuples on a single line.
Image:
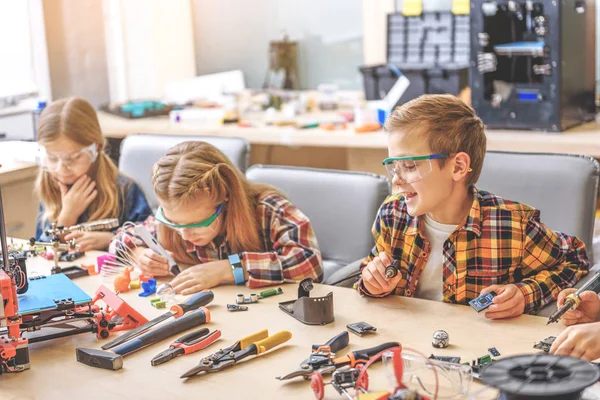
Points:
[(222, 227)]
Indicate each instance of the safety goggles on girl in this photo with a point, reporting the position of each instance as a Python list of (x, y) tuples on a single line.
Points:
[(53, 161), (202, 224), (411, 168)]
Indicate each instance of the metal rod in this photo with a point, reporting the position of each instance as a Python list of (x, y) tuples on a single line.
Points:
[(72, 332)]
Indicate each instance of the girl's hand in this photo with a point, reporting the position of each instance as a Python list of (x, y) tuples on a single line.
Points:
[(151, 262), (91, 240), (76, 199), (203, 276)]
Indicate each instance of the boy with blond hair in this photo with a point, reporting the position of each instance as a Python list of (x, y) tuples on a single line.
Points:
[(453, 242)]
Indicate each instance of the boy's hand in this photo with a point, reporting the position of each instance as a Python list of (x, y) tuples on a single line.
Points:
[(578, 341), (76, 199), (509, 303), (588, 310), (373, 275), (91, 240)]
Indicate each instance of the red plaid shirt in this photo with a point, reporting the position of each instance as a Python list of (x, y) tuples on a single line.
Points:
[(291, 251), (500, 242)]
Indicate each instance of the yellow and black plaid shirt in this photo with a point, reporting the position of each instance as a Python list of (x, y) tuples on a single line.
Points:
[(500, 242)]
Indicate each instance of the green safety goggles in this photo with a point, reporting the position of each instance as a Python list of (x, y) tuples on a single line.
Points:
[(202, 224), (411, 168)]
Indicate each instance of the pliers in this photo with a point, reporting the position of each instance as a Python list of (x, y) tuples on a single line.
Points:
[(327, 363), (320, 357), (187, 344), (255, 344)]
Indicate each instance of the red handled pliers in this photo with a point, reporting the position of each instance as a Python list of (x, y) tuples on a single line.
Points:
[(187, 344)]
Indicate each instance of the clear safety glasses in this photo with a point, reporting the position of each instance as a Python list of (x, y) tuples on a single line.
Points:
[(411, 169), (53, 161), (427, 376), (179, 228)]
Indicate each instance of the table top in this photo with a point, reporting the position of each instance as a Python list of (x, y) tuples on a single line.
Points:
[(584, 139), (55, 373)]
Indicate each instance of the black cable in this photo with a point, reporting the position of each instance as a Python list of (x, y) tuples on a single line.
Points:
[(355, 275)]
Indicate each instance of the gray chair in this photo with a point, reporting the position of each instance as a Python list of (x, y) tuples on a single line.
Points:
[(341, 205), (139, 153), (563, 187)]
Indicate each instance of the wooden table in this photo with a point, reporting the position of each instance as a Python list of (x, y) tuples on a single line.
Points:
[(346, 149), (55, 373)]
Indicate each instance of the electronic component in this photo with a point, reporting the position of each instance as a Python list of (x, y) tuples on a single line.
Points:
[(440, 340), (477, 365), (545, 344), (493, 351), (241, 299), (360, 328), (482, 302), (235, 307), (75, 271), (450, 359), (269, 293), (70, 256)]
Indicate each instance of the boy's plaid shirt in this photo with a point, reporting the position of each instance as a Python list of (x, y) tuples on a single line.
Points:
[(500, 242), (291, 251)]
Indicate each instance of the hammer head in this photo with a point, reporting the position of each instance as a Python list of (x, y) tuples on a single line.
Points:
[(100, 358)]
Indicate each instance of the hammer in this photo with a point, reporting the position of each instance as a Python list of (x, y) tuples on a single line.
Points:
[(113, 359)]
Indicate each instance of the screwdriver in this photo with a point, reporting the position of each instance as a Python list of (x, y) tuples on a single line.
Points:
[(573, 300), (195, 301)]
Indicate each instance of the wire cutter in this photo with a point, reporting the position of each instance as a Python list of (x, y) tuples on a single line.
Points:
[(187, 344), (255, 344), (327, 363)]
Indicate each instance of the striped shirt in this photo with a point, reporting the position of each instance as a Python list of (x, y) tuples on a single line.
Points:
[(291, 251), (500, 242)]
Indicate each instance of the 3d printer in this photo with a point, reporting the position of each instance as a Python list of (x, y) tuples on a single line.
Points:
[(51, 302), (533, 63)]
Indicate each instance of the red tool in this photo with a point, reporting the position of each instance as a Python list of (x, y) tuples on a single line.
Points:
[(187, 344)]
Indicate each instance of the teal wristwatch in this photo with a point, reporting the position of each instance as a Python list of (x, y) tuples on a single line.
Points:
[(238, 270)]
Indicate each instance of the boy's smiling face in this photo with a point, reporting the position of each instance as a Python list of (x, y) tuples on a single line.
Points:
[(429, 194)]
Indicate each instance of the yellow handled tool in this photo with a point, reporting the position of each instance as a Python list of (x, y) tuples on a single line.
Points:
[(252, 345)]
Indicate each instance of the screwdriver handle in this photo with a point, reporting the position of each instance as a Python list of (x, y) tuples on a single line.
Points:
[(362, 356), (197, 300), (173, 327), (333, 345)]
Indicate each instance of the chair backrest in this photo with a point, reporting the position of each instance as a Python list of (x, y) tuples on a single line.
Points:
[(563, 187), (139, 153), (341, 205)]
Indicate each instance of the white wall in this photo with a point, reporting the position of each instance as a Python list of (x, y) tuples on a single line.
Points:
[(233, 34), (24, 66), (76, 49), (149, 44)]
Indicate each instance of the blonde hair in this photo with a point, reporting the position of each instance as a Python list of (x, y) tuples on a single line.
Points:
[(192, 169), (448, 124), (76, 119)]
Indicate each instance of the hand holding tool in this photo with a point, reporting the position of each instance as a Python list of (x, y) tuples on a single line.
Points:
[(255, 344), (326, 364), (392, 269), (195, 301), (149, 240), (573, 300), (187, 344), (114, 359)]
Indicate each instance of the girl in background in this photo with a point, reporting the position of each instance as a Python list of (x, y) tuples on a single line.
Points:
[(77, 181)]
